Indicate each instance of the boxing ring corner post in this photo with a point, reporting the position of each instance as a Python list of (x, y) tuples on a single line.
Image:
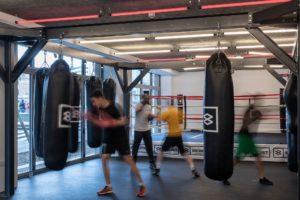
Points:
[(27, 57)]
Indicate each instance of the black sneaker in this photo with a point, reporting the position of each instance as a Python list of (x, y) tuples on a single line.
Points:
[(152, 166), (155, 172), (265, 181), (195, 173), (226, 182)]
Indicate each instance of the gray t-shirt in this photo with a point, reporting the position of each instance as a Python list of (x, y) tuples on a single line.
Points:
[(141, 119)]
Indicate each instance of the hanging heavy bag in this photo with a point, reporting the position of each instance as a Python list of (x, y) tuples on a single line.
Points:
[(38, 97), (109, 89), (218, 118), (94, 133), (75, 101), (290, 98), (55, 92)]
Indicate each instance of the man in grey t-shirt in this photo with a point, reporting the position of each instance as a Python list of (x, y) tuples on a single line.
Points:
[(142, 129)]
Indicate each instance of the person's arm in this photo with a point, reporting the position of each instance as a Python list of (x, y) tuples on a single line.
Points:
[(139, 108), (122, 121)]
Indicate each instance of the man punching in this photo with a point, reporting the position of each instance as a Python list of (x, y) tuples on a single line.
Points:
[(115, 139), (142, 129), (246, 145)]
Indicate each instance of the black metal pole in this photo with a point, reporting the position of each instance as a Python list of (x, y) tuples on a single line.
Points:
[(9, 122), (298, 101), (83, 103), (126, 97)]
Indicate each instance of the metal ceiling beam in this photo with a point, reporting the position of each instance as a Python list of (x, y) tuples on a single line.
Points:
[(278, 52), (27, 58), (95, 49), (277, 76), (17, 32), (163, 25), (275, 12)]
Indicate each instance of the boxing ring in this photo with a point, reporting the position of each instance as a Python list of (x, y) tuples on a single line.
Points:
[(269, 130)]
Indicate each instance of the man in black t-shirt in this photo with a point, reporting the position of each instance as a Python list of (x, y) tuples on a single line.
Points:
[(115, 138)]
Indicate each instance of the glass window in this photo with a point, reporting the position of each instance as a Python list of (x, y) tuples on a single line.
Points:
[(21, 50), (39, 60), (155, 80), (50, 58), (76, 66), (147, 79), (90, 68), (68, 59), (23, 123)]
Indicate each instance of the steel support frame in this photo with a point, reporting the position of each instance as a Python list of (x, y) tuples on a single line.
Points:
[(278, 52), (27, 58), (268, 14), (9, 121), (127, 88), (277, 76)]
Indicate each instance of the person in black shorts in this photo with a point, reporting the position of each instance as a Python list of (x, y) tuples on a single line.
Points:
[(115, 139), (246, 145), (173, 117)]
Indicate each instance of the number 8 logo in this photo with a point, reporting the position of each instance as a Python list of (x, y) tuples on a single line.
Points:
[(67, 116)]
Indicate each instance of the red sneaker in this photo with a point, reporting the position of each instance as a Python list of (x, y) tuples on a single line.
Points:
[(142, 191), (106, 190)]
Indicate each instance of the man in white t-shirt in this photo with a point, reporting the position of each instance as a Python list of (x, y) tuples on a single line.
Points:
[(142, 129)]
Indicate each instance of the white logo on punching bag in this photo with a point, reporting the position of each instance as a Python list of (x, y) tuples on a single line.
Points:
[(207, 119), (211, 119)]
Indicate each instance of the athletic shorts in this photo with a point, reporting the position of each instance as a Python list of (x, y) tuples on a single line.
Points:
[(172, 142), (122, 148), (246, 146)]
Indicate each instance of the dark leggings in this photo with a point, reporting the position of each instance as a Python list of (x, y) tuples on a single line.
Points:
[(146, 136)]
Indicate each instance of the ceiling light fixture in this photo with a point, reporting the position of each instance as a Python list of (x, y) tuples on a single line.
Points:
[(236, 57), (112, 40), (229, 33), (193, 68), (259, 53), (276, 66), (163, 59), (170, 37), (253, 66), (145, 12), (142, 52), (202, 49), (261, 46), (240, 4), (57, 19)]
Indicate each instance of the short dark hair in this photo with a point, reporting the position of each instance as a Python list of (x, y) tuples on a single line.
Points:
[(96, 94)]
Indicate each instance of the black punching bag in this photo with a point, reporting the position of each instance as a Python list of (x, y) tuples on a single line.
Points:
[(74, 102), (38, 97), (109, 89), (94, 133), (218, 119), (290, 98), (56, 92)]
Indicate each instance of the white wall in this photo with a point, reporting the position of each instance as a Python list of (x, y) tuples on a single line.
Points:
[(2, 127), (245, 82)]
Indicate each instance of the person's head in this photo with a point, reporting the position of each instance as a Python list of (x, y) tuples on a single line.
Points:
[(145, 99), (97, 99)]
